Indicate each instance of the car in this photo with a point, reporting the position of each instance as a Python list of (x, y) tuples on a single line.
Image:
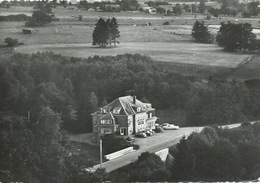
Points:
[(158, 129), (148, 132), (141, 134), (171, 127), (164, 124), (152, 132)]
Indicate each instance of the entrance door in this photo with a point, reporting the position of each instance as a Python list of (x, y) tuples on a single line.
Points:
[(123, 131)]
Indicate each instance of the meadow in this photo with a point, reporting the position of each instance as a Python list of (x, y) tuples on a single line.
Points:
[(170, 44)]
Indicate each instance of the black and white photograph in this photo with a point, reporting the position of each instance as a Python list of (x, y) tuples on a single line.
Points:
[(129, 91)]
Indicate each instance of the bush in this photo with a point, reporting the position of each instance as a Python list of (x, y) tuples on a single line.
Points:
[(166, 23), (136, 146), (11, 42), (246, 14), (80, 17)]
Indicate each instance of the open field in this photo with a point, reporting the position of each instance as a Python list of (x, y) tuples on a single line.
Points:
[(177, 52), (168, 43)]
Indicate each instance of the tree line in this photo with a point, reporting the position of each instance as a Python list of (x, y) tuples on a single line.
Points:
[(231, 36)]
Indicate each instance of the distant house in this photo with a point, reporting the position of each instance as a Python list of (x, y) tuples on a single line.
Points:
[(167, 7), (125, 115), (113, 7), (213, 4)]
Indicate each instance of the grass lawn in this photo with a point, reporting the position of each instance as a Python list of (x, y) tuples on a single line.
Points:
[(91, 152)]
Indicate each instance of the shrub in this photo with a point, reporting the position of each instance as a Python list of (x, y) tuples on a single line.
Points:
[(166, 23), (80, 17), (246, 14), (136, 146), (11, 42)]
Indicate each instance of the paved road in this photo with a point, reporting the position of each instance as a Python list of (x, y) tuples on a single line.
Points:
[(153, 144)]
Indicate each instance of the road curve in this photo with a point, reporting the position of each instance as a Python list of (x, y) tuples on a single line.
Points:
[(153, 144)]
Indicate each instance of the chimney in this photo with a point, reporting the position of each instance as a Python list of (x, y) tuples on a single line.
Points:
[(134, 99)]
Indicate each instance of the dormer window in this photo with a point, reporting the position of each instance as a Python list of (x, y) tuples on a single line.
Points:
[(104, 111), (116, 110)]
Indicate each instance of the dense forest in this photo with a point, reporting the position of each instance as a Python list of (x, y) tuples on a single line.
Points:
[(43, 96), (215, 154), (75, 87)]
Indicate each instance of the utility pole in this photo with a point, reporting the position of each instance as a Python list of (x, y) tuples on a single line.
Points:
[(100, 149), (29, 116)]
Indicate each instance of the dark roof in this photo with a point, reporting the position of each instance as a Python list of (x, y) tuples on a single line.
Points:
[(125, 106)]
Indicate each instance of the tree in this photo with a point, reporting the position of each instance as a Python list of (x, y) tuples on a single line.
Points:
[(253, 8), (187, 8), (100, 33), (49, 145), (200, 33), (115, 33), (177, 9), (194, 8), (113, 143), (202, 7), (235, 36), (39, 18)]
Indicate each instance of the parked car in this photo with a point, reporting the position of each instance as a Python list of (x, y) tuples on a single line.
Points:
[(158, 129), (164, 124), (152, 132), (171, 127), (148, 132), (141, 134)]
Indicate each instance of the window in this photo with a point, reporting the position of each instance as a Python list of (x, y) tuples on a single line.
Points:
[(140, 122), (150, 115), (95, 129), (106, 122), (138, 109), (106, 130)]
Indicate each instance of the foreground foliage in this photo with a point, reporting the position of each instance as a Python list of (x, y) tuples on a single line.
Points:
[(218, 155), (215, 154), (148, 167)]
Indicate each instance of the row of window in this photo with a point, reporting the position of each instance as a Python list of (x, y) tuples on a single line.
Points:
[(106, 122), (106, 131)]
